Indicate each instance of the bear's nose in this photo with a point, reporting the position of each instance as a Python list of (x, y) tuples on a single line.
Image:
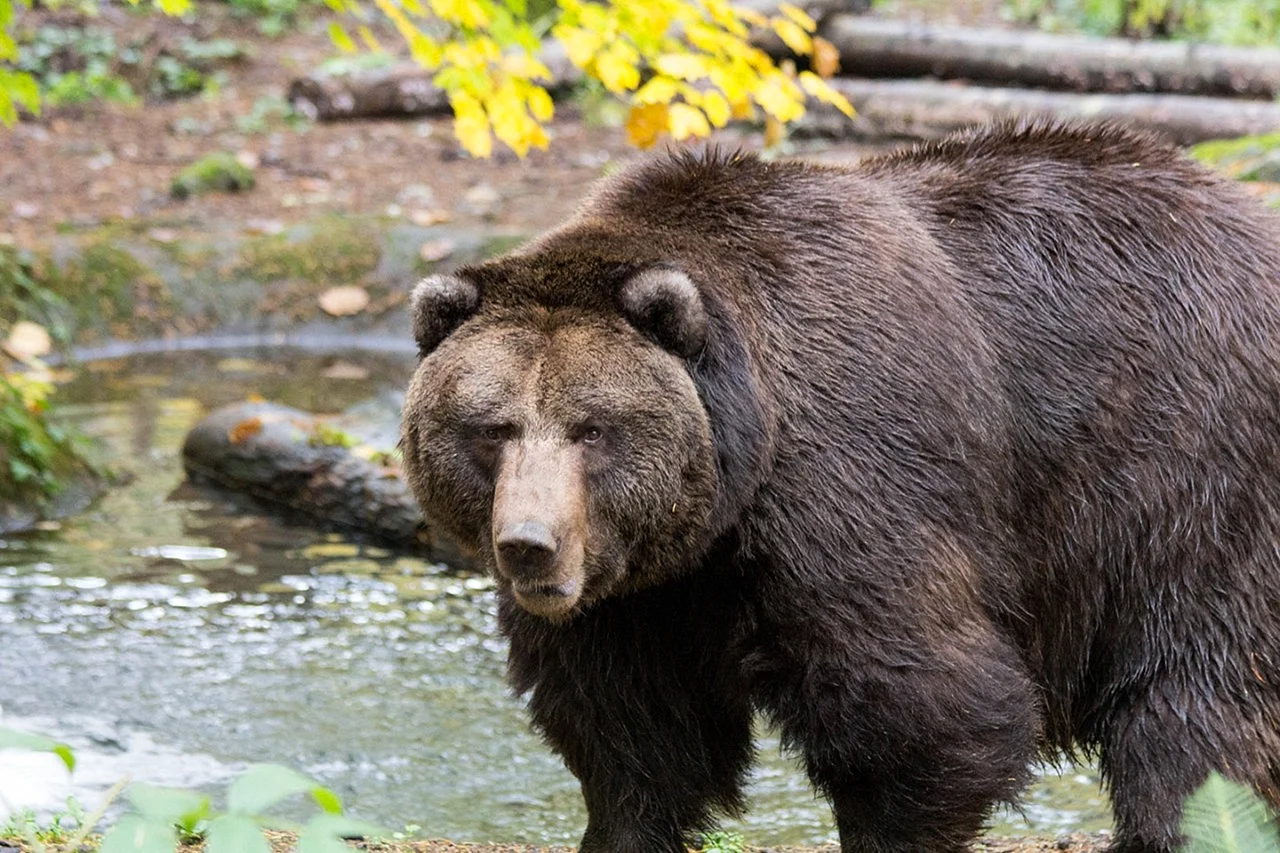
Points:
[(525, 547)]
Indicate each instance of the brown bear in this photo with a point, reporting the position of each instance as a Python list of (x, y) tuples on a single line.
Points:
[(966, 455)]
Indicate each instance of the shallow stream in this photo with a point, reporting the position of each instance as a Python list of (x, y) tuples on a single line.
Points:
[(177, 634)]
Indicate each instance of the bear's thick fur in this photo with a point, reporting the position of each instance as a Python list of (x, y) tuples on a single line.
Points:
[(965, 455)]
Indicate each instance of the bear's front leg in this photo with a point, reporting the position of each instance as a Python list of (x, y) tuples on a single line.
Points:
[(912, 732), (642, 698)]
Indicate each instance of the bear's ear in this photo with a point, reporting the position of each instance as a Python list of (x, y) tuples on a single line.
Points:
[(438, 305), (664, 304)]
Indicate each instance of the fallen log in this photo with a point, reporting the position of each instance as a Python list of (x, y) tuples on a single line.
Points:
[(285, 458), (923, 109), (885, 48), (402, 89)]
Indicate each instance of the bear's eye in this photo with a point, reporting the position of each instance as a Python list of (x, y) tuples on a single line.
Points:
[(492, 433), (590, 434)]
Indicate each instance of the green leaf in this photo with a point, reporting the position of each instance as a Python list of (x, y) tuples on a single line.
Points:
[(263, 785), (8, 114), (233, 833), (23, 88), (168, 805), (327, 800), (37, 743), (137, 834), (1226, 817)]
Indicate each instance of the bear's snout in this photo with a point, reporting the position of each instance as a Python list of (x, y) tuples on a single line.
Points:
[(539, 526), (525, 548)]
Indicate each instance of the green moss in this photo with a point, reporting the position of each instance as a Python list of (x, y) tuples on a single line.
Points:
[(332, 251), (1249, 158), (217, 172), (105, 284)]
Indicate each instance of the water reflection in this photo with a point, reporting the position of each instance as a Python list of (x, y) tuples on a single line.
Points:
[(202, 633)]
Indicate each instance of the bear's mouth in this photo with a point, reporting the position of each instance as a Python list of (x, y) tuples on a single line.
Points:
[(547, 599)]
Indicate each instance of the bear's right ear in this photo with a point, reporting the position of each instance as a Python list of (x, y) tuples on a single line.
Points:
[(438, 305), (664, 304)]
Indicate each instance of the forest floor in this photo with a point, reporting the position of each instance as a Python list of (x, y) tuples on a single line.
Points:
[(77, 168)]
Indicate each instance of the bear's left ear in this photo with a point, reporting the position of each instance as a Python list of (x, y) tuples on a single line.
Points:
[(438, 305), (664, 304)]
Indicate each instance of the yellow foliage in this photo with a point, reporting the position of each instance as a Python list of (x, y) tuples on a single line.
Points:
[(798, 16), (616, 68), (684, 121), (826, 58), (717, 108), (820, 89), (687, 66), (659, 90), (793, 35), (646, 123)]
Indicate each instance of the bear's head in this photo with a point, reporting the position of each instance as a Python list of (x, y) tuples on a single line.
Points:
[(553, 425)]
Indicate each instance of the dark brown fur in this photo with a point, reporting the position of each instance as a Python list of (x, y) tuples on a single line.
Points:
[(980, 460)]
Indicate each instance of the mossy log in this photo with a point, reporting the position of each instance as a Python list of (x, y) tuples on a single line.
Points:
[(924, 109), (878, 48), (291, 460)]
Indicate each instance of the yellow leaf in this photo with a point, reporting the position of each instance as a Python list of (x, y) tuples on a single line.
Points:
[(646, 124), (471, 125), (580, 44), (743, 110), (540, 104), (682, 66), (615, 72), (244, 430), (826, 58), (370, 40), (424, 50), (691, 94), (779, 98), (175, 7), (339, 37), (685, 121), (659, 90), (717, 108), (793, 35), (798, 15), (820, 89), (774, 132), (526, 67)]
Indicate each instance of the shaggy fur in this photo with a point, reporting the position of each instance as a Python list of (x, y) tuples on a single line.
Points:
[(976, 458)]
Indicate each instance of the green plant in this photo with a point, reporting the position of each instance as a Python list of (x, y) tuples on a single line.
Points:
[(721, 842), (35, 453), (163, 818), (1226, 817), (216, 172)]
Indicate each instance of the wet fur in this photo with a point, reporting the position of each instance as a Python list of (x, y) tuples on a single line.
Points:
[(996, 425)]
